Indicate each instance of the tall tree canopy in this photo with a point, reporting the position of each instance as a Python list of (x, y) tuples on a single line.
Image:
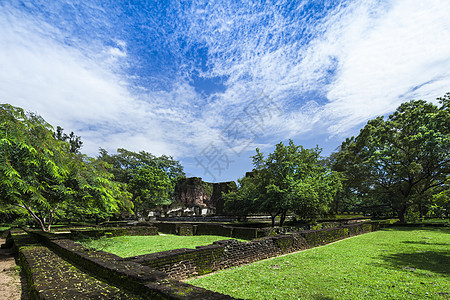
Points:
[(291, 178), (40, 174), (74, 141), (150, 187), (150, 179), (125, 163), (402, 161)]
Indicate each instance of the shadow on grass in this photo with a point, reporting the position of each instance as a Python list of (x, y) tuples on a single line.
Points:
[(425, 243), (434, 261), (417, 228)]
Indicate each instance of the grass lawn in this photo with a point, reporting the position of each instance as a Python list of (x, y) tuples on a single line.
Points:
[(437, 220), (126, 246), (395, 263)]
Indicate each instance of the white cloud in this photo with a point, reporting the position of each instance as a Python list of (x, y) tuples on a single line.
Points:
[(82, 92), (361, 60), (401, 54), (364, 57)]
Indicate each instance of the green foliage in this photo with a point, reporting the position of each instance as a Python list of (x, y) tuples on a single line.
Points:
[(397, 263), (291, 178), (402, 161), (150, 179), (40, 174), (74, 141), (94, 193), (33, 164), (11, 213), (441, 201), (125, 162), (150, 187)]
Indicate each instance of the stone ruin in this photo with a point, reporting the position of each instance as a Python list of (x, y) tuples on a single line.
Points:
[(193, 196)]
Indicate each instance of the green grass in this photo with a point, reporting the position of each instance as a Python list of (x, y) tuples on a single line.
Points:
[(396, 263), (437, 220), (126, 246)]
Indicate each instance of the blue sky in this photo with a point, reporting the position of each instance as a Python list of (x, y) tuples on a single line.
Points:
[(208, 82)]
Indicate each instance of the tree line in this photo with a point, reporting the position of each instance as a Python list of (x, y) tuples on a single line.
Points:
[(397, 164), (43, 173)]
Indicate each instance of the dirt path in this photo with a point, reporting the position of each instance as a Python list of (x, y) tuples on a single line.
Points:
[(10, 278)]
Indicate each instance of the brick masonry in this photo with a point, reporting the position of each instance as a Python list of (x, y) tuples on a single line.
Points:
[(184, 263)]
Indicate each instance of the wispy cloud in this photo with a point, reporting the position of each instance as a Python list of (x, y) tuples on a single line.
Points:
[(361, 60), (171, 78), (401, 54), (82, 91)]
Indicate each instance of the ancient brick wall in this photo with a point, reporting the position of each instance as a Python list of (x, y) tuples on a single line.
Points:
[(183, 263), (110, 232)]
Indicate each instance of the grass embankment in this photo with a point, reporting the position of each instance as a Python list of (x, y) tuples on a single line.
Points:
[(396, 263), (126, 246)]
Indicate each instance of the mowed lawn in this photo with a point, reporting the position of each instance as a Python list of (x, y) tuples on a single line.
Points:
[(396, 263), (126, 246)]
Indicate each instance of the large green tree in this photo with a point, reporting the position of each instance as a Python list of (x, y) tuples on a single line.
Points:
[(150, 187), (401, 161), (291, 178), (94, 192), (40, 174), (74, 141), (124, 164), (150, 179)]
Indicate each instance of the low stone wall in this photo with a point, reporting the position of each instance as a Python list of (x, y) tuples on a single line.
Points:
[(183, 263), (51, 277), (131, 276), (117, 231), (247, 232)]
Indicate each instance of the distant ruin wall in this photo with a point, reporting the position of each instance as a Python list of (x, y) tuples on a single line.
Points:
[(193, 191)]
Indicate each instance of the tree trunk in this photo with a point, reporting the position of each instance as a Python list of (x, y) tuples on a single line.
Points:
[(50, 221), (39, 222), (273, 220), (401, 215), (421, 209), (282, 218)]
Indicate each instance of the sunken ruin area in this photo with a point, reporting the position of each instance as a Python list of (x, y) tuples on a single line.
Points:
[(57, 267)]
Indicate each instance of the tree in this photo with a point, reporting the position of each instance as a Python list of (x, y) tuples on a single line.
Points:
[(74, 141), (125, 163), (291, 178), (134, 168), (38, 172), (402, 161), (150, 187), (94, 193)]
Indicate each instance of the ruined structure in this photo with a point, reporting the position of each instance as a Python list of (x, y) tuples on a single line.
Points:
[(194, 192)]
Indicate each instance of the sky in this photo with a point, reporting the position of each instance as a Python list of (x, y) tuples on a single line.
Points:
[(209, 82)]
